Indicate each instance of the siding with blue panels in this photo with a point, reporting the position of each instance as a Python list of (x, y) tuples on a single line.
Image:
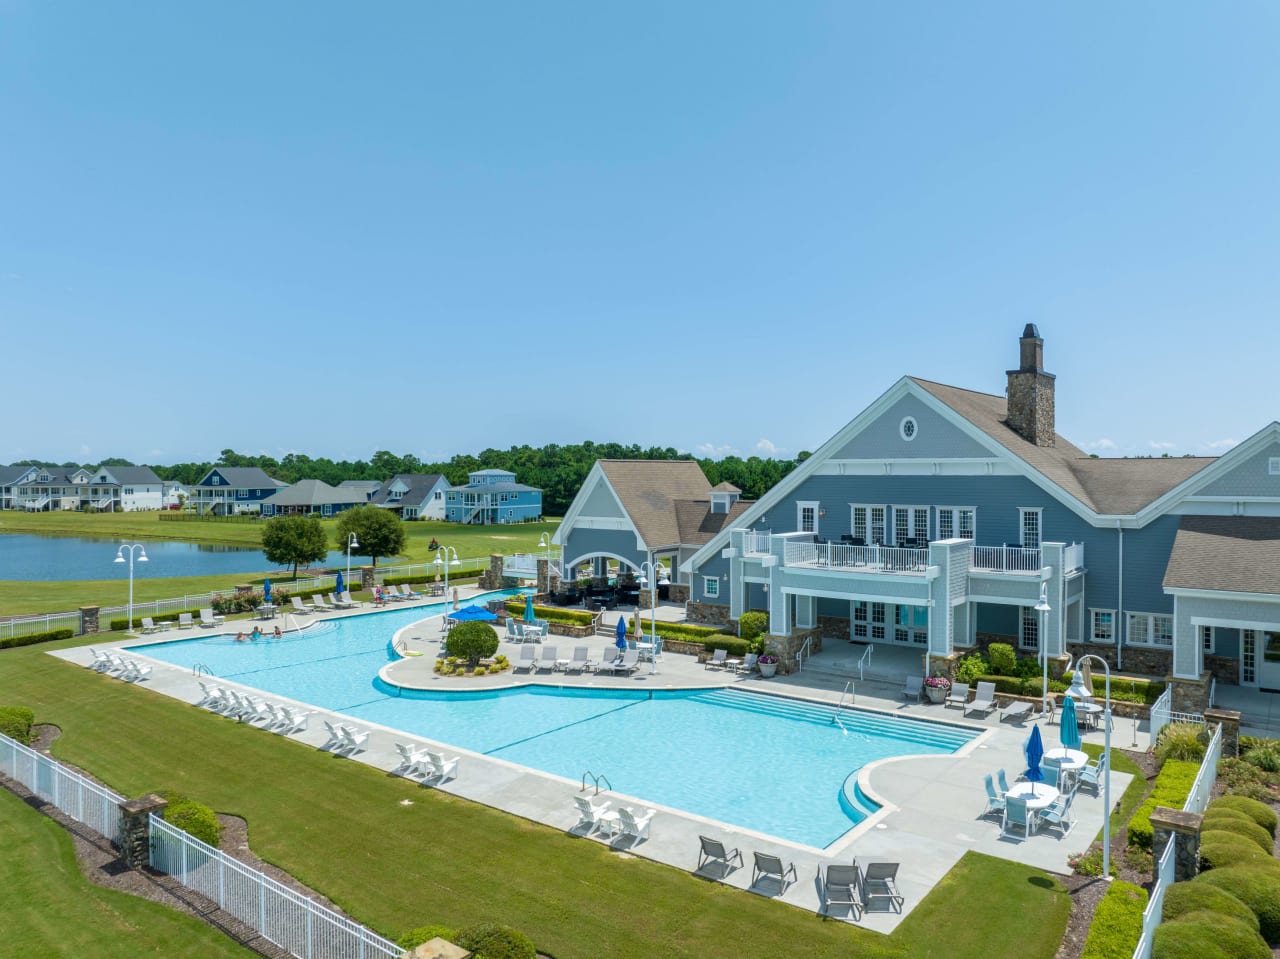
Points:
[(601, 503), (716, 567), (936, 437), (1146, 556), (581, 543), (757, 598), (1250, 478)]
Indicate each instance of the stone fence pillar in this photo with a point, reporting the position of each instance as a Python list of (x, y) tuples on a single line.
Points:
[(1189, 695), (492, 577), (89, 620), (1230, 722), (366, 578), (135, 829), (1183, 829)]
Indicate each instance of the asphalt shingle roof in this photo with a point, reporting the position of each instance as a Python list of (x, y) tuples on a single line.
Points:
[(649, 490), (1234, 553)]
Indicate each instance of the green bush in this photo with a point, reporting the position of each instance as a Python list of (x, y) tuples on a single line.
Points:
[(1090, 863), (1259, 812), (15, 722), (1220, 850), (751, 626), (1183, 741), (1184, 897), (686, 631), (1117, 923), (552, 614), (34, 638), (416, 937), (1170, 789), (193, 818), (1004, 661), (488, 940), (970, 668), (1257, 888), (730, 644), (1266, 757), (1229, 821), (472, 641), (1207, 935)]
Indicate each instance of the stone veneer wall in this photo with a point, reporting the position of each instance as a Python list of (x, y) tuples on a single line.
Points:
[(707, 614), (1031, 406), (89, 620), (1225, 669), (786, 647), (679, 592), (1189, 695)]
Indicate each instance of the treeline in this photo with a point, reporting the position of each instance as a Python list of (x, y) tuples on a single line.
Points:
[(557, 470)]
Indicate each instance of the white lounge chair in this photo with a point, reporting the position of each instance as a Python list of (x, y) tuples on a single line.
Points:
[(317, 602), (149, 626), (629, 826), (595, 816), (958, 696), (208, 620), (408, 593), (580, 660), (1018, 709), (984, 700), (347, 601), (353, 740), (628, 663), (548, 659), (295, 720), (717, 659), (136, 672), (412, 760), (442, 768), (913, 688), (714, 860), (335, 737), (101, 661), (300, 606), (528, 659), (212, 694), (184, 621)]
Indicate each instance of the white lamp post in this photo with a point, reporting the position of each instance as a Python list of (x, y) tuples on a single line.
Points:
[(134, 549), (651, 580), (442, 559), (1078, 691), (1042, 608), (351, 544)]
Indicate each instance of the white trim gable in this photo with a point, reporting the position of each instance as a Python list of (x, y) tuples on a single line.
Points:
[(1185, 492), (573, 515)]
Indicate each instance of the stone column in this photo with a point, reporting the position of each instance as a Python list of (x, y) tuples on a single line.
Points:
[(492, 577), (1230, 721), (1182, 828), (941, 665), (89, 620), (1189, 695), (366, 578), (135, 829)]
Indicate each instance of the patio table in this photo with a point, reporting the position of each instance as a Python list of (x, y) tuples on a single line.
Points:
[(267, 611), (1037, 795), (1071, 759)]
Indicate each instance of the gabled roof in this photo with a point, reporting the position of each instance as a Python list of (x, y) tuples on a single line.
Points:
[(1233, 553), (418, 487), (494, 488), (697, 524), (9, 475), (649, 489), (359, 484), (725, 487), (132, 475), (313, 492), (243, 477), (492, 472)]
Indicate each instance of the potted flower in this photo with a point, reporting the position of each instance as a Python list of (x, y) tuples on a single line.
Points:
[(768, 664), (936, 688)]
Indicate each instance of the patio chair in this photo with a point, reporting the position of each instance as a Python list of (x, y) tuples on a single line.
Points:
[(1018, 710), (1052, 771), (594, 816), (528, 659), (100, 660), (629, 826), (580, 660), (717, 659), (353, 740), (208, 620), (842, 886), (335, 737), (408, 592), (548, 659), (628, 663), (337, 602), (1058, 814), (958, 696), (513, 631), (295, 720), (913, 688), (1004, 783), (714, 860), (318, 603), (412, 760), (300, 606), (984, 700), (772, 867), (347, 601), (1017, 816), (1091, 775), (149, 626), (211, 694), (135, 672), (608, 656), (440, 768), (995, 800), (880, 884), (184, 621)]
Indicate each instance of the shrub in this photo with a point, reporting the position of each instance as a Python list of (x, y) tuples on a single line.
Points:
[(752, 625), (1004, 661), (1090, 863), (472, 641), (685, 631), (1220, 850), (15, 722), (970, 668), (1184, 897), (1207, 935), (193, 818), (1183, 741), (1171, 789), (1259, 812), (416, 937), (730, 644), (488, 940), (1266, 758), (480, 671), (1230, 821), (1256, 888), (551, 614), (1117, 923), (33, 638)]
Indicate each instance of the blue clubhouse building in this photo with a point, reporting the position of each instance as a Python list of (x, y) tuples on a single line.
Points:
[(492, 497)]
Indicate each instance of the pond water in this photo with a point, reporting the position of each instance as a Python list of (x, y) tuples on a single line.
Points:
[(44, 558)]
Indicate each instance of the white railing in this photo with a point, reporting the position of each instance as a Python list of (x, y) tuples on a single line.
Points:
[(27, 625), (84, 801), (1207, 777), (1160, 711), (1073, 557), (1005, 559), (861, 559), (864, 661), (806, 649), (1155, 905), (521, 565), (755, 543), (292, 921)]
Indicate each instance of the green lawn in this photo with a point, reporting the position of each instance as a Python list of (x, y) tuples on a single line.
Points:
[(51, 910), (340, 827), (1134, 793)]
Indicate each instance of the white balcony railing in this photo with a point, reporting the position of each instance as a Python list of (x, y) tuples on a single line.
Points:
[(755, 543), (1073, 557), (1005, 559), (857, 559)]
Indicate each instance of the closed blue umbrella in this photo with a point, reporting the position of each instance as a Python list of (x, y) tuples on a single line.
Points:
[(467, 613), (622, 633), (1035, 752), (338, 588), (529, 617), (266, 590), (1069, 729)]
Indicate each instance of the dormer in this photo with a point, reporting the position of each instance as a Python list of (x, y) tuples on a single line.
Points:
[(723, 496)]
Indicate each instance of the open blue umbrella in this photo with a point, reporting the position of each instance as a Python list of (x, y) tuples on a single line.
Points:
[(478, 613), (338, 587), (266, 591), (622, 633), (529, 617), (1035, 752), (1068, 728)]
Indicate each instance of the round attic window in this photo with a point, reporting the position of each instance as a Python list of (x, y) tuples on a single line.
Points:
[(908, 428)]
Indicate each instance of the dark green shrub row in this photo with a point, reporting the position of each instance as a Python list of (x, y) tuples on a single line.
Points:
[(195, 819), (118, 625), (416, 937), (1117, 923), (1170, 789), (552, 614), (1207, 935), (1257, 888), (1222, 850), (33, 638), (1259, 812), (730, 644), (15, 722), (1237, 823), (1184, 897)]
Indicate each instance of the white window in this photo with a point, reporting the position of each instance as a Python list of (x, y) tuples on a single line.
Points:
[(1273, 466), (910, 524), (1029, 524), (877, 620), (1029, 635), (955, 521), (868, 524), (711, 586), (908, 428), (860, 627), (1150, 629), (215, 480), (807, 517), (1102, 626), (1206, 638)]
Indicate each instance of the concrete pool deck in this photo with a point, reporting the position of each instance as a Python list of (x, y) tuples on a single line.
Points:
[(932, 810)]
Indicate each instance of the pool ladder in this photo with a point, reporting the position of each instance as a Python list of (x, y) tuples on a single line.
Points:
[(201, 669), (596, 781), (835, 714)]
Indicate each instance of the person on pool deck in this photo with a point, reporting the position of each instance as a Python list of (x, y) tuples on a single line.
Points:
[(240, 637), (277, 634), (256, 634)]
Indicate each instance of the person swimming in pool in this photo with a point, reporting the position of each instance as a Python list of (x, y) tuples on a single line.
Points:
[(240, 637), (277, 634), (255, 635)]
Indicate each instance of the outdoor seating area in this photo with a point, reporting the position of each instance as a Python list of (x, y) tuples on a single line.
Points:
[(119, 667), (276, 717), (1043, 795), (855, 889), (424, 764), (617, 825)]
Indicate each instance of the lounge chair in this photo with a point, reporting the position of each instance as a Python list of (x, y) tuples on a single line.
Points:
[(1091, 775), (995, 800), (353, 740), (184, 621), (842, 886), (335, 601), (608, 657), (1017, 816), (1018, 710), (347, 601), (212, 694), (408, 593), (335, 737), (300, 606), (207, 619), (631, 827), (580, 660), (528, 659), (714, 860), (412, 760), (717, 659), (135, 672), (628, 663), (318, 603), (295, 720), (548, 659), (772, 867), (1058, 814), (101, 661), (149, 626), (440, 768), (984, 700), (958, 696), (594, 815), (913, 688), (880, 884)]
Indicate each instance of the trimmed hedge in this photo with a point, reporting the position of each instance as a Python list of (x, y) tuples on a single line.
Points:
[(15, 722), (1124, 689), (488, 940), (687, 631), (118, 625), (1219, 850), (753, 625), (1259, 812), (195, 819), (1117, 923), (1184, 897), (1226, 821), (730, 644), (1170, 789), (552, 614), (33, 638), (1257, 888), (416, 937), (1207, 935)]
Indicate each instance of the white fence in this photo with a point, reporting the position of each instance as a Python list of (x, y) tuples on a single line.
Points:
[(82, 800), (1005, 559), (1207, 777), (1155, 905), (1160, 712), (287, 918), (27, 625)]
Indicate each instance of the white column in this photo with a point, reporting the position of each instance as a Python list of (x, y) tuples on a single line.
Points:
[(806, 612), (779, 612)]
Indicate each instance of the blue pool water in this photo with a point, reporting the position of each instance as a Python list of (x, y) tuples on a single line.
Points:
[(765, 763)]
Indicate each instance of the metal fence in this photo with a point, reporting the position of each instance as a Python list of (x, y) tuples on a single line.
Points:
[(287, 918), (27, 625), (84, 801), (1207, 777)]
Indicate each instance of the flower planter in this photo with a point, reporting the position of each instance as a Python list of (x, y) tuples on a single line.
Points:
[(767, 669), (936, 694)]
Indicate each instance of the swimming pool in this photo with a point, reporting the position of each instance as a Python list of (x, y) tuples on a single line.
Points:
[(766, 763)]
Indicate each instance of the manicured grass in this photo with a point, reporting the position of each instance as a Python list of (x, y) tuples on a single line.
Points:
[(341, 828), (51, 910), (1134, 793)]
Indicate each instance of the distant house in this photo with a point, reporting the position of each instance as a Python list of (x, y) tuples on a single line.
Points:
[(174, 495), (492, 497), (227, 490), (312, 497), (109, 489), (413, 495), (368, 487)]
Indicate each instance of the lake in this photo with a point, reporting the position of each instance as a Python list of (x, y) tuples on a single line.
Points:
[(44, 558)]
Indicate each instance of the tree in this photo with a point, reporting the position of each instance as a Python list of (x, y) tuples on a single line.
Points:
[(291, 540), (378, 531), (472, 641)]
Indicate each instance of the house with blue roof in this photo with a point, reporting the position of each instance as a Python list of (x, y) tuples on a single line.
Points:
[(492, 497), (938, 518), (233, 490)]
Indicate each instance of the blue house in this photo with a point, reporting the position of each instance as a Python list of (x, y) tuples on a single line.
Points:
[(939, 516), (228, 490), (492, 497)]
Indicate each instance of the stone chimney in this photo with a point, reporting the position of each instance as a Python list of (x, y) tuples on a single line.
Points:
[(1031, 392)]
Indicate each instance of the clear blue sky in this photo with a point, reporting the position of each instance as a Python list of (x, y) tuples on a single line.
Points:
[(724, 227)]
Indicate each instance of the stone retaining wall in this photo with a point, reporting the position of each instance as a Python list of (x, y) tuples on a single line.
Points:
[(707, 614)]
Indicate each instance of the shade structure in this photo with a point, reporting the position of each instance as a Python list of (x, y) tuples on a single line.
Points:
[(468, 613), (266, 590), (338, 588), (529, 616), (1069, 729), (622, 633), (1035, 753)]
